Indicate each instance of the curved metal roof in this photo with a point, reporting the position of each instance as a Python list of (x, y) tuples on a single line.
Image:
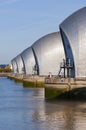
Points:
[(49, 52), (19, 63), (28, 60), (73, 31), (14, 65)]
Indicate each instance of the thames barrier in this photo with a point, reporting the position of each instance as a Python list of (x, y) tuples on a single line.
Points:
[(57, 59)]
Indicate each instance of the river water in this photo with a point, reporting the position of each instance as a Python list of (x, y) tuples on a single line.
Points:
[(26, 109)]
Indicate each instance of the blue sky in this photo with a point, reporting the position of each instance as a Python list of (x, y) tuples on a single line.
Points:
[(22, 22)]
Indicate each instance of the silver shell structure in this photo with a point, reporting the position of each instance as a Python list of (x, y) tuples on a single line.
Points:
[(46, 54), (73, 31), (19, 63), (28, 60), (14, 66), (49, 53)]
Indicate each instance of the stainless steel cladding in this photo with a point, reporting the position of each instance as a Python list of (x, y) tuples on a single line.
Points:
[(20, 65), (14, 66), (11, 67), (49, 53), (73, 31), (28, 60)]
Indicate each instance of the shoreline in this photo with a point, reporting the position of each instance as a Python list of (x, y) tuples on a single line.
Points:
[(54, 87)]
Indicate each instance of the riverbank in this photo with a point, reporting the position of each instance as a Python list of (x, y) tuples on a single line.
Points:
[(55, 88)]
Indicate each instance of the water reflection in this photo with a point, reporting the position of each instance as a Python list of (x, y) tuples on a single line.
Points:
[(26, 109), (61, 115)]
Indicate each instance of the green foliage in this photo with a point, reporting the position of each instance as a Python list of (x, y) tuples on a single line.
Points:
[(5, 69)]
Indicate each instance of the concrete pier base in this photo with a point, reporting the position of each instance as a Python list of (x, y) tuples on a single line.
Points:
[(69, 87), (28, 80)]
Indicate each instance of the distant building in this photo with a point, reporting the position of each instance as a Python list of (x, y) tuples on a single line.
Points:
[(3, 65)]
